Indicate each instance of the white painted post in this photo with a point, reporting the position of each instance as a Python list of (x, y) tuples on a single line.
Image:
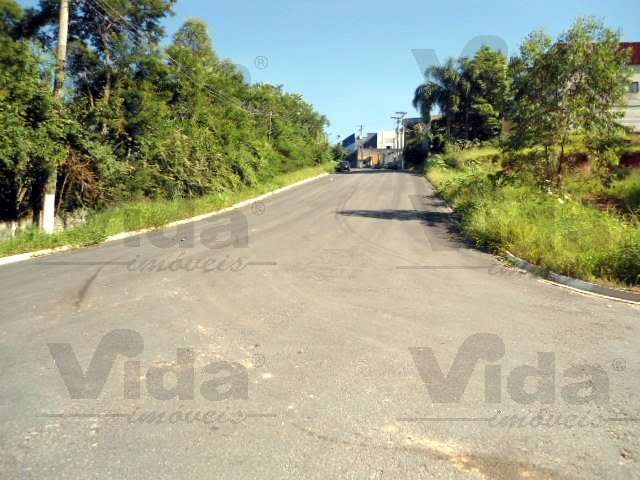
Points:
[(48, 214)]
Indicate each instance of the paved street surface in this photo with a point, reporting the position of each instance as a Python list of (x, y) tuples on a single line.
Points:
[(313, 355)]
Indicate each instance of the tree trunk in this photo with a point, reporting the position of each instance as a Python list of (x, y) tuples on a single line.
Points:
[(560, 165), (449, 123)]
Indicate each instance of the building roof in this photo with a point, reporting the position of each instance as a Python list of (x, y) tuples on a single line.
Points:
[(350, 140), (635, 48)]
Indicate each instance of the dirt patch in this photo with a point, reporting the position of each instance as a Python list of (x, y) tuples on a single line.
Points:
[(606, 203), (630, 160), (486, 466)]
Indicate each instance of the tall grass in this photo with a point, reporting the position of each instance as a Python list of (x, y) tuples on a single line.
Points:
[(561, 234), (147, 214), (627, 191), (463, 158)]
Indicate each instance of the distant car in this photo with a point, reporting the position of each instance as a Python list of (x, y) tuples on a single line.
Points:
[(392, 166), (344, 166)]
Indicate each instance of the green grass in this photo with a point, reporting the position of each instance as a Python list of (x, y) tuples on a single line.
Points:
[(634, 144), (468, 157), (147, 214), (623, 195), (627, 191), (559, 233)]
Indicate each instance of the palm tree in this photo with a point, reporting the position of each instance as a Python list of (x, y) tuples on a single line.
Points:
[(442, 89)]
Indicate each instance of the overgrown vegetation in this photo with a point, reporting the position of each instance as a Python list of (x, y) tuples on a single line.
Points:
[(148, 214), (566, 232), (554, 95), (569, 88), (139, 121), (549, 188)]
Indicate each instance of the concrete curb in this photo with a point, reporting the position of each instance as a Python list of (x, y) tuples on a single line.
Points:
[(563, 281), (574, 283), (124, 235)]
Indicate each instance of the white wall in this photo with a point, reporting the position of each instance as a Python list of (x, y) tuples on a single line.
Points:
[(632, 110), (386, 138)]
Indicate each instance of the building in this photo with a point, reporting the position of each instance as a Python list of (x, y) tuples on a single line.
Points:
[(387, 140), (632, 108), (373, 149), (350, 144)]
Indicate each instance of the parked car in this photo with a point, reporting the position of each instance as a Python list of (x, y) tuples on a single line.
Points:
[(344, 166)]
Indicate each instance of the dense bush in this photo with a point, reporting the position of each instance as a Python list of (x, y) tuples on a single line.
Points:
[(138, 121)]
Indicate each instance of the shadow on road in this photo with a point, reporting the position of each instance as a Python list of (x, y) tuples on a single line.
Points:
[(441, 228), (429, 218)]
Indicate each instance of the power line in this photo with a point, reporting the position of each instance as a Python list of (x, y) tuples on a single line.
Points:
[(111, 11), (108, 12)]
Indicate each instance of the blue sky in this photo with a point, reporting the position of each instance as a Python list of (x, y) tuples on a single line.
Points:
[(353, 58)]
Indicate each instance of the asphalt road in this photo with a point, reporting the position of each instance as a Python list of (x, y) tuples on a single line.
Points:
[(312, 347)]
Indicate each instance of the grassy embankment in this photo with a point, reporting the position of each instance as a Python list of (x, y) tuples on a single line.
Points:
[(587, 231), (148, 214)]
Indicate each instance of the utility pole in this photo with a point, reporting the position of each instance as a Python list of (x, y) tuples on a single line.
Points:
[(402, 115), (359, 145), (48, 215), (270, 124), (397, 141)]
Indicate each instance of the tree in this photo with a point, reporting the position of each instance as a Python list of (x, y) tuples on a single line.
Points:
[(491, 90), (442, 89), (29, 127), (138, 120), (114, 65), (470, 93), (569, 89), (11, 16), (107, 41), (339, 152)]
